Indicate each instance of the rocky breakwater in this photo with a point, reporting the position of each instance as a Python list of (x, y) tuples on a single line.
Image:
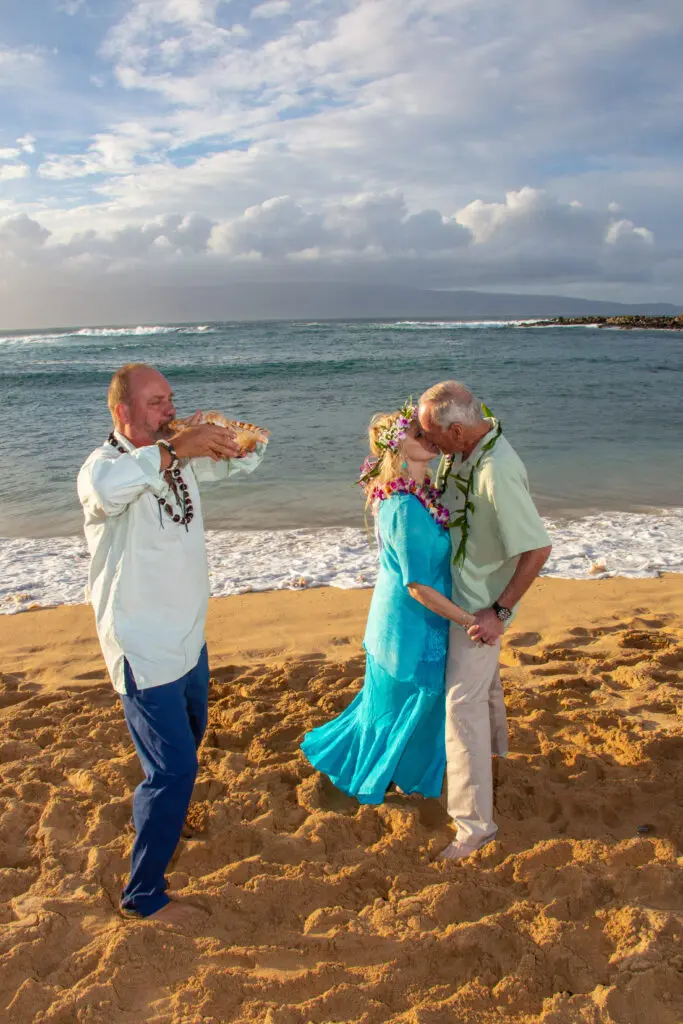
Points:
[(625, 323)]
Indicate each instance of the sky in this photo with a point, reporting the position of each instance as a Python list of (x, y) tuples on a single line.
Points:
[(480, 144)]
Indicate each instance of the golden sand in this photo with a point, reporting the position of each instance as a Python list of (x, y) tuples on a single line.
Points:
[(319, 910)]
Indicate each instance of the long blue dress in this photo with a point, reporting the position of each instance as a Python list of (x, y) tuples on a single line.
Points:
[(394, 729)]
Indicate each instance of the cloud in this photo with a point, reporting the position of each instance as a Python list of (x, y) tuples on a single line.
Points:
[(9, 153), (621, 231), (71, 7), (371, 237), (9, 172), (21, 236), (15, 63), (114, 152), (271, 9), (358, 137)]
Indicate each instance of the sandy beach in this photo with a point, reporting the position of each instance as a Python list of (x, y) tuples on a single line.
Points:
[(319, 910)]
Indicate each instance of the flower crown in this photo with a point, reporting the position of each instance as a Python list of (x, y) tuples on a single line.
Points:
[(388, 440)]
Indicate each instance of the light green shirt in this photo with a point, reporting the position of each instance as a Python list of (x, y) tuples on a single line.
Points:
[(503, 525)]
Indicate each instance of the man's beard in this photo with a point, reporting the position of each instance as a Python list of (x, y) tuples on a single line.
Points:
[(165, 431)]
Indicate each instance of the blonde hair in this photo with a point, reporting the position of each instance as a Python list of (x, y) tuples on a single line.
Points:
[(120, 386), (391, 461)]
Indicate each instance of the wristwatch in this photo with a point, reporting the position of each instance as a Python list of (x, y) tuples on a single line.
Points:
[(502, 613), (175, 461)]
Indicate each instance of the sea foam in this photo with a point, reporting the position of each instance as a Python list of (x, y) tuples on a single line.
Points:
[(140, 331), (52, 571)]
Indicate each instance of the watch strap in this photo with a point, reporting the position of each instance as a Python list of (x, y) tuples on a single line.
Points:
[(502, 612)]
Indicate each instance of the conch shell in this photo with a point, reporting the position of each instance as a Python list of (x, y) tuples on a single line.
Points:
[(248, 434)]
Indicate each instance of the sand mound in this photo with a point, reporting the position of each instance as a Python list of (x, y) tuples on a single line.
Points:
[(318, 910)]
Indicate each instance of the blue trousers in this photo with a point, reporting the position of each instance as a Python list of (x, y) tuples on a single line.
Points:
[(166, 724)]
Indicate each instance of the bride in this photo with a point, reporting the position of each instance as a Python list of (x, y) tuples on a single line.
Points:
[(394, 729)]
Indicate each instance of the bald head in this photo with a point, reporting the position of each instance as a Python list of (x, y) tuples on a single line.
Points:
[(451, 417), (121, 384), (452, 402), (141, 403)]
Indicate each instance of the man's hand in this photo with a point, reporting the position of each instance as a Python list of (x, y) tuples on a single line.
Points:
[(487, 627), (200, 440)]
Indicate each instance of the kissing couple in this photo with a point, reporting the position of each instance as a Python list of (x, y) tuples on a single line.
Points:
[(455, 558)]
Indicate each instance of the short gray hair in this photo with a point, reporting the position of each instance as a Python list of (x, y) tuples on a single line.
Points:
[(451, 402)]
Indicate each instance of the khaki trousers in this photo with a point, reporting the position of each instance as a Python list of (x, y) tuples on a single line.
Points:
[(476, 728)]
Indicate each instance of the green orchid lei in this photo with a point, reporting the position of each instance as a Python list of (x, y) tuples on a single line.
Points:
[(464, 485)]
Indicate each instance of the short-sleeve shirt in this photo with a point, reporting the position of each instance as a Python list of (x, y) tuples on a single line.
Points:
[(504, 524)]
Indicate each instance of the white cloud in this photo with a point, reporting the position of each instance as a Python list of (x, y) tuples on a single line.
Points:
[(375, 227), (9, 172), (369, 136), (17, 63), (620, 231), (71, 7), (371, 237), (114, 152), (9, 154), (271, 9)]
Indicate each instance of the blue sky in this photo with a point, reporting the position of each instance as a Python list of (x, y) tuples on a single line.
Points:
[(448, 143)]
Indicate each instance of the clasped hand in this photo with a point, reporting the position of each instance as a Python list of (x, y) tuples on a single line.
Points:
[(200, 440), (487, 627)]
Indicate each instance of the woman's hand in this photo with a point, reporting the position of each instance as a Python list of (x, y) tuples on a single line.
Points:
[(487, 627)]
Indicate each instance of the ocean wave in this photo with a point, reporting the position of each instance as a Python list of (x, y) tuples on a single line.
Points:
[(142, 330), (51, 571), (35, 339), (425, 325)]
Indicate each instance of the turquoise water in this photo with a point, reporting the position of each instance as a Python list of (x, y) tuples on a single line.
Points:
[(595, 414)]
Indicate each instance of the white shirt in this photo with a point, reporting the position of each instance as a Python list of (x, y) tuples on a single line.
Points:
[(148, 581)]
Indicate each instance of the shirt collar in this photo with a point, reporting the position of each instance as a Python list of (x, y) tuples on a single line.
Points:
[(123, 441)]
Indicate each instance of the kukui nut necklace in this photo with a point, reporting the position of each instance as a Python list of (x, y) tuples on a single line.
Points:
[(180, 490)]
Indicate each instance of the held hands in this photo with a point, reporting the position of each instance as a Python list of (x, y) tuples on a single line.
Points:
[(198, 440), (487, 627)]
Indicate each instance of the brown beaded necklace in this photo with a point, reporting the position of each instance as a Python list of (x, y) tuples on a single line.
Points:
[(177, 485)]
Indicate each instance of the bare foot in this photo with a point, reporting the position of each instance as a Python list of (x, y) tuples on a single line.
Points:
[(179, 915)]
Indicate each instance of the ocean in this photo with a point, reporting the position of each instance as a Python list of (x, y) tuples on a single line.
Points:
[(595, 414)]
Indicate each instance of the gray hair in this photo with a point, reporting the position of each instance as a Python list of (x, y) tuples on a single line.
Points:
[(451, 402)]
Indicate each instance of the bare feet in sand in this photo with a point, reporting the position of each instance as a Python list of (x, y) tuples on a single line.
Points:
[(180, 915)]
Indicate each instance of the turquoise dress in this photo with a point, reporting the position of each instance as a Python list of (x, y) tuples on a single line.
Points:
[(394, 729)]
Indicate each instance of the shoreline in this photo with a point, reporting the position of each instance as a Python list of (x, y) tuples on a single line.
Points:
[(624, 323), (52, 571)]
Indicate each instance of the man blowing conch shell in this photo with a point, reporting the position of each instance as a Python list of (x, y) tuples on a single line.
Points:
[(149, 587)]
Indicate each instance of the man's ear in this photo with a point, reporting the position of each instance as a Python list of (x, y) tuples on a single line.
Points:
[(122, 414), (455, 433)]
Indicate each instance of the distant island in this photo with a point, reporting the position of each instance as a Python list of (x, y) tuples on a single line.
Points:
[(624, 323)]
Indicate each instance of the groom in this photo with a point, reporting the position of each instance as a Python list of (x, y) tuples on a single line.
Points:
[(499, 547)]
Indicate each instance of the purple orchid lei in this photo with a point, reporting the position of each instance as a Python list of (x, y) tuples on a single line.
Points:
[(427, 495)]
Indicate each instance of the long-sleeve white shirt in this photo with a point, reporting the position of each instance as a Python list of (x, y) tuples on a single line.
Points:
[(148, 581)]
